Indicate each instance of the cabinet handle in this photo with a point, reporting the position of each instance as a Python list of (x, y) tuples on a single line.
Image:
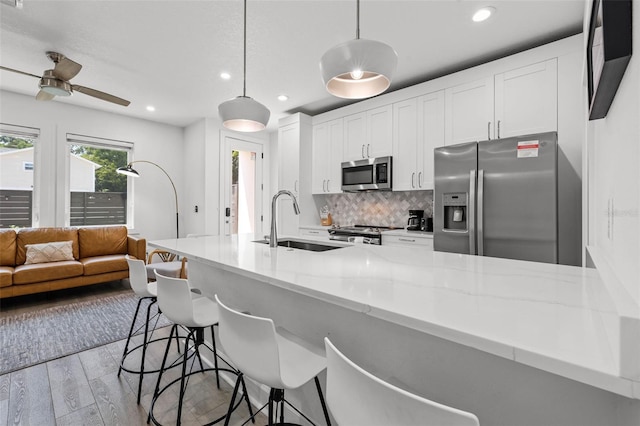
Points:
[(323, 185), (295, 186), (489, 130), (368, 151), (413, 175), (362, 152), (406, 240), (419, 179), (328, 180), (314, 232), (498, 129)]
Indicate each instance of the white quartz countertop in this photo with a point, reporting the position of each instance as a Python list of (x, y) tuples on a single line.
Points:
[(553, 317)]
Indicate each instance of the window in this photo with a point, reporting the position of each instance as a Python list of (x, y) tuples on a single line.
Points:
[(18, 188), (97, 194)]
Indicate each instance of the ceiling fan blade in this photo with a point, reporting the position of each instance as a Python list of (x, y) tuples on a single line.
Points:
[(20, 72), (66, 69), (100, 95), (44, 96)]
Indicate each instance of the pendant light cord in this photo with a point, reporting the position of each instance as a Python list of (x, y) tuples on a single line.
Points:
[(357, 19), (244, 70)]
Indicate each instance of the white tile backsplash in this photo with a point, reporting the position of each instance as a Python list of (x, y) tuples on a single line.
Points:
[(381, 208)]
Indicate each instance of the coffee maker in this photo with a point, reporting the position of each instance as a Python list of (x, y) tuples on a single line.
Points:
[(415, 220)]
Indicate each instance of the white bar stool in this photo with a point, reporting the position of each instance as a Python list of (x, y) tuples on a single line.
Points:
[(356, 397), (145, 291), (186, 309), (275, 358)]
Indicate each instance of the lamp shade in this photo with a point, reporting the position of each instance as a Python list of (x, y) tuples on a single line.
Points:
[(244, 114), (129, 171), (358, 68)]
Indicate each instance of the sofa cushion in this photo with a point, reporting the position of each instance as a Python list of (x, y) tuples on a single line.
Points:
[(6, 272), (102, 264), (7, 247), (102, 241), (44, 235), (27, 274), (49, 252)]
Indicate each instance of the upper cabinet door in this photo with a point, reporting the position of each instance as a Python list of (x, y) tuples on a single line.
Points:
[(334, 169), (355, 137), (289, 157), (320, 158), (526, 100), (405, 145), (431, 124), (379, 128), (469, 112)]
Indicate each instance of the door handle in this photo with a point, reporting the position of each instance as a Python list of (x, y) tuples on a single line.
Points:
[(323, 185), (498, 129), (489, 130), (295, 186), (328, 180), (471, 213), (419, 179), (413, 175), (480, 212), (362, 152), (368, 151)]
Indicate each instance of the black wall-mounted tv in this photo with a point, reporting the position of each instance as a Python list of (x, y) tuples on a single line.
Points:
[(608, 52)]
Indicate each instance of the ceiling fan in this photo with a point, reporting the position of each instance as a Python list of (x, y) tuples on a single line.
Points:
[(55, 82)]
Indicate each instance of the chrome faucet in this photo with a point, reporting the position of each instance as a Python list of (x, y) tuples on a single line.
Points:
[(273, 236)]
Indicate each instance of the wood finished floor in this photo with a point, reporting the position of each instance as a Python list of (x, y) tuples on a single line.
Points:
[(84, 388)]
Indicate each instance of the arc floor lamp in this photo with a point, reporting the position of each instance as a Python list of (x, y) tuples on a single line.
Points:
[(130, 171)]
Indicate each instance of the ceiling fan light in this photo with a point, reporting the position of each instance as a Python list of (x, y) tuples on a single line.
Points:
[(244, 114), (358, 68), (56, 87)]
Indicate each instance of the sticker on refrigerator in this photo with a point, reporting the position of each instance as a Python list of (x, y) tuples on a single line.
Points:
[(528, 149)]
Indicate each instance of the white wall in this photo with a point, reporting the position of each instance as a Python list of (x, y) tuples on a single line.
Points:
[(154, 215), (194, 172), (613, 150)]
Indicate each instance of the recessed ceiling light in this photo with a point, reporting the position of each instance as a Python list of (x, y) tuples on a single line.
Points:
[(283, 98), (151, 108), (225, 75), (483, 14)]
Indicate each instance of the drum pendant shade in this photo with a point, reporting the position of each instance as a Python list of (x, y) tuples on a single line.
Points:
[(358, 68), (244, 114)]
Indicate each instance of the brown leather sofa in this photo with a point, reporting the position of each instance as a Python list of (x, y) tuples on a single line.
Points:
[(98, 256)]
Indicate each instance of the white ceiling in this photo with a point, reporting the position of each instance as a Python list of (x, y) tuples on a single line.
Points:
[(169, 54)]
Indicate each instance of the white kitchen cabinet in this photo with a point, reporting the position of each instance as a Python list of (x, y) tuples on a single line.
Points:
[(512, 103), (526, 100), (327, 157), (469, 111), (408, 241), (418, 128), (314, 233), (368, 134), (290, 138)]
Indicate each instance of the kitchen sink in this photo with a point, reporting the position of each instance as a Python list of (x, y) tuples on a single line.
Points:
[(302, 245)]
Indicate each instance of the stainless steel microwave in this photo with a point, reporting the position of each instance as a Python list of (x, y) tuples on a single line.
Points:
[(367, 175)]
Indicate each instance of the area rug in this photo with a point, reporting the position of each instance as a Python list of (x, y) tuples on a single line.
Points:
[(35, 337)]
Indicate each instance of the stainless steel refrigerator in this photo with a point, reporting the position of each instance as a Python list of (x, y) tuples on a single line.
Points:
[(498, 198)]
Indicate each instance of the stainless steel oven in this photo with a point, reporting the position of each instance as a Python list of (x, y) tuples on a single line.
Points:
[(367, 175)]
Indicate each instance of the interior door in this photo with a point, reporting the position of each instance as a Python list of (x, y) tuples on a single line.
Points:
[(242, 187)]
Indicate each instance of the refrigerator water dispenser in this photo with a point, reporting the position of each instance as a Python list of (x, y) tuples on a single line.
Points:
[(455, 211)]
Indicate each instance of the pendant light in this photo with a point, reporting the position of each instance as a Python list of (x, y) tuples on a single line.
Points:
[(358, 68), (243, 113)]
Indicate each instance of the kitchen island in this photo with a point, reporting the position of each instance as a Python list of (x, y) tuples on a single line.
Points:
[(513, 342)]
